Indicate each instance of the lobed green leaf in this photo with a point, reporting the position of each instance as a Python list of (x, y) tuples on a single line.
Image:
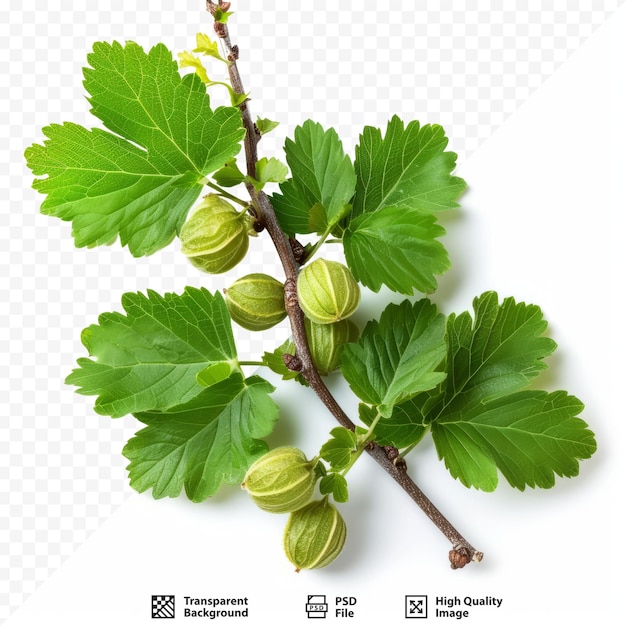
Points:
[(481, 418), (335, 484), (497, 352), (322, 174), (208, 47), (229, 174), (274, 361), (149, 358), (138, 181), (206, 442), (406, 168), (270, 171), (529, 436), (396, 247), (338, 450), (402, 429), (396, 357), (265, 125)]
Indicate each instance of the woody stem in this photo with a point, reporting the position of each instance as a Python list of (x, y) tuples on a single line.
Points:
[(462, 551)]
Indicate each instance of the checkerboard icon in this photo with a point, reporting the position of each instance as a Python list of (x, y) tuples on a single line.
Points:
[(163, 606)]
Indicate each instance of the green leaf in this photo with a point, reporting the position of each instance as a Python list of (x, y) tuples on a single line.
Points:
[(265, 125), (149, 358), (229, 175), (321, 174), (335, 484), (320, 470), (267, 171), (139, 180), (396, 357), (490, 360), (344, 435), (391, 238), (292, 209), (497, 353), (407, 168), (236, 99), (206, 46), (338, 450), (529, 436), (201, 444), (270, 171), (187, 59), (481, 418), (221, 16), (397, 247), (274, 360), (215, 373), (400, 430)]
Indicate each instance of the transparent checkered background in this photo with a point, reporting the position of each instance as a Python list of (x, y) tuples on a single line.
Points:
[(467, 65)]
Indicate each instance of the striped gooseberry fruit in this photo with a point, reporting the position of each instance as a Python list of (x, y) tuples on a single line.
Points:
[(256, 301), (216, 236), (314, 535), (327, 340), (327, 291), (281, 481)]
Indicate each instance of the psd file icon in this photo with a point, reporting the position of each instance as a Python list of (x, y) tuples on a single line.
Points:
[(316, 607)]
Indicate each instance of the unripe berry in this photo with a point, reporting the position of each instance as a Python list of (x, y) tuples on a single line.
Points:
[(326, 342), (256, 301), (215, 237), (281, 481), (327, 291), (315, 535)]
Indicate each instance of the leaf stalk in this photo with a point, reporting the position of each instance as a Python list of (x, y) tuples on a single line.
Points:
[(222, 192)]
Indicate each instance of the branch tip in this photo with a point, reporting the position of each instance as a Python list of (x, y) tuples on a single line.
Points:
[(461, 555)]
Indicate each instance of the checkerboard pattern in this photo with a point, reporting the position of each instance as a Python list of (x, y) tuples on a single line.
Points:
[(163, 607), (465, 65)]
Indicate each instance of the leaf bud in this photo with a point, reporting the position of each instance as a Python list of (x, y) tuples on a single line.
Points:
[(315, 535), (327, 291), (215, 237), (327, 340), (256, 301), (281, 481)]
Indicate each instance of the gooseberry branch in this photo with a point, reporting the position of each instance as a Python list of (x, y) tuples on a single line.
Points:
[(462, 551)]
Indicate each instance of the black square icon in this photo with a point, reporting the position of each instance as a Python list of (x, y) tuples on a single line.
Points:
[(416, 607), (163, 607)]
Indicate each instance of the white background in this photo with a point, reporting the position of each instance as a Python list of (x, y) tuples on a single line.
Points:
[(534, 102)]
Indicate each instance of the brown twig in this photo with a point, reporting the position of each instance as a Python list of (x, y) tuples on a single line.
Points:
[(462, 551)]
